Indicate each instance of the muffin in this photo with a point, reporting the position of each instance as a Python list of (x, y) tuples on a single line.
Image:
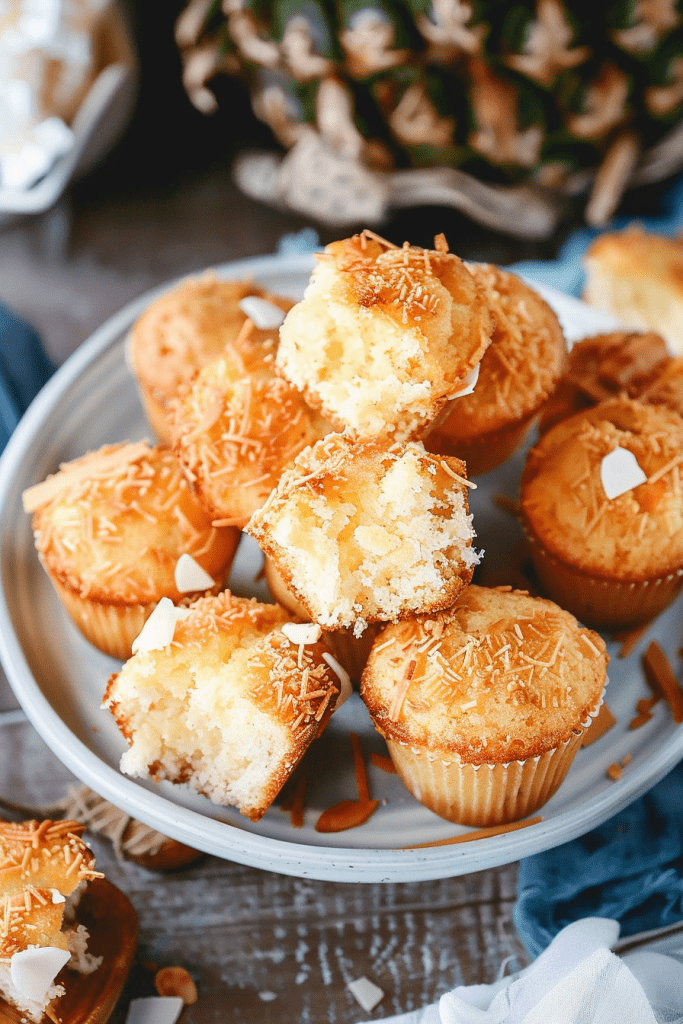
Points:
[(349, 650), (606, 366), (360, 532), (614, 561), (483, 706), (187, 327), (117, 530), (518, 371), (638, 277), (45, 867), (237, 426), (229, 704), (384, 336)]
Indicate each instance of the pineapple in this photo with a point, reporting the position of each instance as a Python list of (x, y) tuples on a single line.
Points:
[(548, 92)]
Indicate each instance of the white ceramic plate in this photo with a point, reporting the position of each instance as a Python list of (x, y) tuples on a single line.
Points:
[(59, 678)]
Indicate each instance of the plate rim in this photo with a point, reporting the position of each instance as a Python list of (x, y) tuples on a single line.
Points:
[(325, 863)]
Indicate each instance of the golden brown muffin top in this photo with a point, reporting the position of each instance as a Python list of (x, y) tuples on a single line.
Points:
[(187, 327), (237, 426), (635, 253), (606, 366), (522, 364), (384, 336), (113, 524), (37, 860), (500, 676), (635, 536), (45, 854)]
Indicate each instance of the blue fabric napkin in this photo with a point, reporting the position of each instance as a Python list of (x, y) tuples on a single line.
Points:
[(24, 368), (630, 868)]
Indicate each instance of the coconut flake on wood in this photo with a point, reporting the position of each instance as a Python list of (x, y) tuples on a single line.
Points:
[(620, 472), (366, 993), (154, 1010)]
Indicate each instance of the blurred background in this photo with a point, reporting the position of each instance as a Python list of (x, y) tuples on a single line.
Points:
[(163, 201)]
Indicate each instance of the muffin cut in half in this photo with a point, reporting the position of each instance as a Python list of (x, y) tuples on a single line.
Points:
[(359, 532), (230, 705), (110, 529), (609, 549), (237, 426), (518, 371), (483, 706), (183, 330), (44, 868), (384, 336)]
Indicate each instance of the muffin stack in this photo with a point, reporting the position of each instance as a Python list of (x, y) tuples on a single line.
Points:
[(341, 434)]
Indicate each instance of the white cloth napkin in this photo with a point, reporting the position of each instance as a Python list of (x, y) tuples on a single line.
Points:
[(576, 980)]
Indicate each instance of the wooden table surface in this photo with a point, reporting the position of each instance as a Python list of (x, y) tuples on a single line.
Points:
[(261, 946)]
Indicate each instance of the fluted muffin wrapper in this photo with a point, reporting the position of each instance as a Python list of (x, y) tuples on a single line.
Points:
[(486, 794), (599, 602), (111, 628)]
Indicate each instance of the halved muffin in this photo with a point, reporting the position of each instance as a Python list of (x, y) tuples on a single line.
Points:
[(229, 705), (361, 532), (384, 336)]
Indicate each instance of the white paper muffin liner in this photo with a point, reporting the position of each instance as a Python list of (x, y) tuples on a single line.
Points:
[(485, 794)]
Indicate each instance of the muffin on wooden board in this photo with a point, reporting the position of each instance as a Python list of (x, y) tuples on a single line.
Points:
[(483, 706), (45, 867), (110, 529)]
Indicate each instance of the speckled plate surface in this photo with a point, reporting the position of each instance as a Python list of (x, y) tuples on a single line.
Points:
[(59, 678)]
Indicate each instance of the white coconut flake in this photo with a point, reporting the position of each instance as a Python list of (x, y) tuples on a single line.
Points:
[(57, 896), (366, 993), (267, 997), (159, 628), (620, 472), (34, 970), (470, 383), (154, 1010), (344, 678), (264, 315), (189, 576), (302, 632)]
